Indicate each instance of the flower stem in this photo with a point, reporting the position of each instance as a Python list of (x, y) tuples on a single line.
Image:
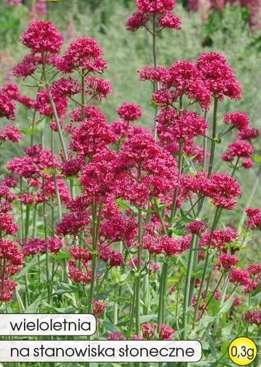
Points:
[(212, 294), (162, 293), (176, 191), (138, 275), (214, 225), (187, 290), (154, 54), (96, 217), (213, 141), (56, 117)]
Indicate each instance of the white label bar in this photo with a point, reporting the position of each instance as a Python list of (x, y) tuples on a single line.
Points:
[(100, 351), (47, 324)]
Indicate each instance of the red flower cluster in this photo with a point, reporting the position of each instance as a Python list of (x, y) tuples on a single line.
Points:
[(161, 10), (211, 76), (37, 246), (253, 317), (83, 54), (10, 133), (78, 268), (218, 238), (129, 111), (254, 218), (149, 331), (42, 37), (11, 263)]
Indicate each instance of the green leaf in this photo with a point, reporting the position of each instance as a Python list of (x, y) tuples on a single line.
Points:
[(257, 158)]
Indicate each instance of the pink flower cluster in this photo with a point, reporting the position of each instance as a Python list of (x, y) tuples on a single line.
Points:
[(11, 263), (160, 11)]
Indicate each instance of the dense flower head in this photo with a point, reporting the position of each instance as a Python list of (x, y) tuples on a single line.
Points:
[(150, 171), (196, 227), (157, 6), (65, 87), (218, 238), (238, 149), (228, 261), (218, 76), (36, 246), (84, 54), (170, 20), (7, 290), (36, 162), (247, 163), (148, 330), (177, 127), (223, 190), (168, 246), (99, 176), (42, 36), (44, 106), (240, 120), (78, 267), (91, 137), (11, 90), (10, 133), (54, 244), (7, 224), (7, 106), (254, 218), (11, 257), (185, 77), (81, 254), (98, 308), (136, 21), (6, 194), (117, 226), (248, 133), (253, 317), (254, 269), (154, 74), (97, 87), (161, 10), (107, 254), (239, 276), (129, 111), (166, 332), (88, 113), (72, 167), (72, 223), (26, 67)]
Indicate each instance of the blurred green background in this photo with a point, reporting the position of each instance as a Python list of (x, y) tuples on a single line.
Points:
[(227, 31)]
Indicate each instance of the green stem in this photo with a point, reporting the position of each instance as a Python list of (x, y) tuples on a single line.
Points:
[(154, 54), (162, 293), (212, 295), (214, 225), (138, 275), (176, 191), (187, 290), (213, 141), (47, 253), (96, 217), (56, 117)]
